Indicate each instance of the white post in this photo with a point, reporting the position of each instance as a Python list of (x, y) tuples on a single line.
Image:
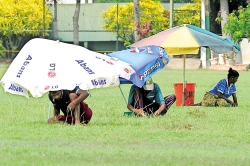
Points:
[(171, 19), (203, 26)]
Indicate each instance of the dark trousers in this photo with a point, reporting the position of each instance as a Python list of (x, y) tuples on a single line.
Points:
[(150, 107), (140, 101)]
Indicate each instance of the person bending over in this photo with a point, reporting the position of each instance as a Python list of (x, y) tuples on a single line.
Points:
[(149, 100), (219, 94), (70, 102)]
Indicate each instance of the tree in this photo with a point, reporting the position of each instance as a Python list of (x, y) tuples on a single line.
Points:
[(226, 7), (238, 24), (137, 20), (75, 22), (224, 11), (152, 20), (21, 18)]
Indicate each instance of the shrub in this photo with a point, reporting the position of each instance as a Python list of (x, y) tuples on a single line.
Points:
[(238, 24), (2, 50), (188, 14)]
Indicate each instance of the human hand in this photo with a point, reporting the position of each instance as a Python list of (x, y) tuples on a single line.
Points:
[(234, 104), (157, 113), (53, 119), (71, 106), (140, 112)]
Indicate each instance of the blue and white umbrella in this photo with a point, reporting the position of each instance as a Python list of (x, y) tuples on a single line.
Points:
[(146, 61)]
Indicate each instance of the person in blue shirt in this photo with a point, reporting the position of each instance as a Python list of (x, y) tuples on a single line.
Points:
[(149, 100), (220, 93)]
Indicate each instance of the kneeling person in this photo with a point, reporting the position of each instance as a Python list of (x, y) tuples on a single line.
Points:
[(70, 102), (149, 100)]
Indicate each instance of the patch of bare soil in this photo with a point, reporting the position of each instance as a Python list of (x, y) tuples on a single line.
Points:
[(238, 67)]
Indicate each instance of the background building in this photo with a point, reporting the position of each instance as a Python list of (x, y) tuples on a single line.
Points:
[(91, 33)]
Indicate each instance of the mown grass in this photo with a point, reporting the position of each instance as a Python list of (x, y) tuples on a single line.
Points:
[(185, 136)]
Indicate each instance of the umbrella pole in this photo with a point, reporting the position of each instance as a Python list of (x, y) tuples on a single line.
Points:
[(184, 80), (122, 94)]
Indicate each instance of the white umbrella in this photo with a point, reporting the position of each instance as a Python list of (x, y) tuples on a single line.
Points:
[(45, 65)]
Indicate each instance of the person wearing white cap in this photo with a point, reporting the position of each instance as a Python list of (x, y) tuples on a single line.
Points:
[(149, 100)]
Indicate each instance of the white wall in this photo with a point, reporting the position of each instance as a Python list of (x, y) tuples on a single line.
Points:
[(245, 51)]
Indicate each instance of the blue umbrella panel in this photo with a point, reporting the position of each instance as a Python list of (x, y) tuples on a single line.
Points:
[(146, 61)]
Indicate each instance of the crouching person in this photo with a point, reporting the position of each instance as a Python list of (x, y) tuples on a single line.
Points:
[(72, 105), (149, 100)]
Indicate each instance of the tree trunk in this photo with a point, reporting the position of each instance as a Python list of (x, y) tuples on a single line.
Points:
[(55, 21), (215, 27), (137, 36), (224, 9), (75, 22)]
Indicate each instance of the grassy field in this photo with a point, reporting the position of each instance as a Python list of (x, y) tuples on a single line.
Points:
[(184, 136)]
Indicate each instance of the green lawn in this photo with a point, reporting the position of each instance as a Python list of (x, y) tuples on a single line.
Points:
[(184, 136)]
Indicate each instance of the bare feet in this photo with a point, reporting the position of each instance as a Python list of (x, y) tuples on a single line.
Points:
[(78, 122)]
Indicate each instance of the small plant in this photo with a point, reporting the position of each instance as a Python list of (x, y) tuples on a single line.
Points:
[(229, 56)]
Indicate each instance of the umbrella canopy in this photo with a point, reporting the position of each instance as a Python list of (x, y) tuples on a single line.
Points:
[(146, 61), (45, 65), (187, 39)]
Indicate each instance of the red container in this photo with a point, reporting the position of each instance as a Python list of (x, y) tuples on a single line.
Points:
[(189, 93)]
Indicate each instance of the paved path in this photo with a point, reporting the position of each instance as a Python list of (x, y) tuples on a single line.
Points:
[(193, 63), (177, 63), (238, 67)]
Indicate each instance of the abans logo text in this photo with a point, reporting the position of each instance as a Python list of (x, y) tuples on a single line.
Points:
[(98, 82), (25, 63), (15, 88), (84, 66)]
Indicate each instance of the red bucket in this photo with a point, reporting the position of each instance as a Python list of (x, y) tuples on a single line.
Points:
[(188, 92)]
